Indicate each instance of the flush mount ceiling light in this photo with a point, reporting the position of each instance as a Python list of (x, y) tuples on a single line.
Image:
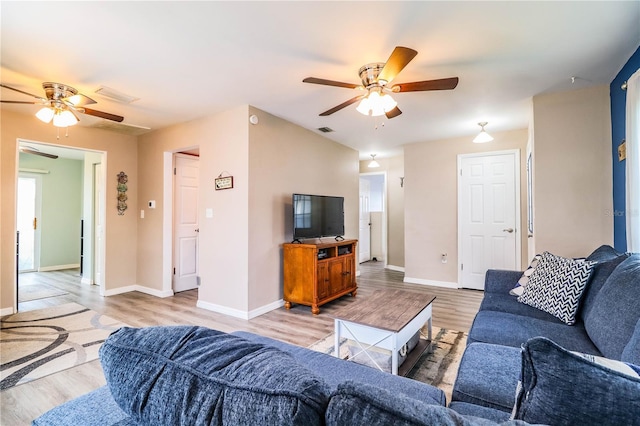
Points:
[(373, 163), (483, 136)]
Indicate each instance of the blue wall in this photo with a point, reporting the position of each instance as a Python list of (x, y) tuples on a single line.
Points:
[(618, 106)]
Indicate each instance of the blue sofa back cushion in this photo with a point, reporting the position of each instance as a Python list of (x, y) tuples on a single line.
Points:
[(601, 272), (358, 404), (631, 352), (194, 375), (612, 320), (560, 387)]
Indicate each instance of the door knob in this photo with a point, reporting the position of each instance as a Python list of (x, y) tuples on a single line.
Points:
[(509, 230), (198, 230)]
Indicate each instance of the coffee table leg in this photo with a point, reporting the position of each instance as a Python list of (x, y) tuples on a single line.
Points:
[(336, 333), (429, 329), (394, 354)]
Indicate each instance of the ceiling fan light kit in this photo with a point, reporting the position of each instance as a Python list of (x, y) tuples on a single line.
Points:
[(483, 136), (376, 78), (60, 105)]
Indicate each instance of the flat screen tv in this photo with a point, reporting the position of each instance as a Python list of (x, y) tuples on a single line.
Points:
[(316, 216)]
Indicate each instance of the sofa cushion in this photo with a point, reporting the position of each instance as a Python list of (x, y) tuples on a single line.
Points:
[(599, 276), (335, 371), (356, 404), (508, 329), (556, 285), (561, 387), (612, 320), (507, 303), (603, 253), (631, 352), (467, 409), (488, 376), (95, 408), (195, 375)]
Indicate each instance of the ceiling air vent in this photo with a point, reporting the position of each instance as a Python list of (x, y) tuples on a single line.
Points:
[(325, 129), (114, 95)]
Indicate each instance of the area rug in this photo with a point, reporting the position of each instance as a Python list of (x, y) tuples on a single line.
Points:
[(30, 292), (37, 343), (438, 366)]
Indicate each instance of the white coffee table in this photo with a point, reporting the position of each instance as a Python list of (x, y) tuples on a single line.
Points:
[(387, 319)]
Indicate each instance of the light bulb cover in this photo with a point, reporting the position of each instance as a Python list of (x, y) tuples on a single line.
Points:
[(375, 104), (483, 136), (373, 163), (45, 114), (64, 119)]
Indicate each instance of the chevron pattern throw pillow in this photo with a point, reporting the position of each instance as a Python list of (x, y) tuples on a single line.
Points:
[(556, 285)]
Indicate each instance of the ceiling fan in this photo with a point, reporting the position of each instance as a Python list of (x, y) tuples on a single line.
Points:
[(60, 104), (375, 81)]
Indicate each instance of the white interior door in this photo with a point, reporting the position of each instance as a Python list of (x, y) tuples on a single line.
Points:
[(185, 246), (28, 222), (364, 243), (489, 215)]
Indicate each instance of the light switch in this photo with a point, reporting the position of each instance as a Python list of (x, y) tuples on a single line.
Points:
[(208, 213), (141, 214)]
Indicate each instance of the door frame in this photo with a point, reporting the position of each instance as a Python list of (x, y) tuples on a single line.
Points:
[(518, 200), (167, 219), (385, 223)]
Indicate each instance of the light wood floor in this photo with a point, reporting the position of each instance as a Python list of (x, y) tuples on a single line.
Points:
[(452, 309)]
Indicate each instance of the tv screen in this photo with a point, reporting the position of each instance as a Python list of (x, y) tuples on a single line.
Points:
[(317, 216)]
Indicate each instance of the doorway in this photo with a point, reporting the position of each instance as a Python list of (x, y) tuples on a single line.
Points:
[(70, 200), (488, 215), (186, 228), (373, 217)]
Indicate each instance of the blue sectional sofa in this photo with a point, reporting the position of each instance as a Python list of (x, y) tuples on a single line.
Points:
[(186, 375), (607, 325)]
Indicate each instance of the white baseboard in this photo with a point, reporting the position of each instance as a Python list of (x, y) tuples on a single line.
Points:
[(6, 311), (395, 268), (58, 267), (420, 281), (86, 281), (141, 289), (237, 313)]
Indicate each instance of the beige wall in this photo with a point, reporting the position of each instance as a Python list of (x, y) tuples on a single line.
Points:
[(431, 202), (573, 171), (223, 254), (240, 246), (394, 168), (120, 231), (284, 159)]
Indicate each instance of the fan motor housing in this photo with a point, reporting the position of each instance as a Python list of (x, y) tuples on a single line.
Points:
[(369, 74)]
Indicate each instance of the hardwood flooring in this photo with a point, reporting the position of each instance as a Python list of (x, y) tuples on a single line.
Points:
[(452, 309)]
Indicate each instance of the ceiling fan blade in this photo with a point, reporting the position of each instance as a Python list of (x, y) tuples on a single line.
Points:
[(399, 59), (330, 83), (20, 102), (421, 86), (393, 113), (79, 100), (34, 152), (342, 105), (101, 114), (40, 98)]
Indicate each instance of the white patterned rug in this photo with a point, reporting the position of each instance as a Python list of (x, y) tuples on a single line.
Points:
[(437, 366), (37, 343)]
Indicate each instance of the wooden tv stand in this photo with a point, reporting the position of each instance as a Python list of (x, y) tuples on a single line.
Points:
[(315, 274)]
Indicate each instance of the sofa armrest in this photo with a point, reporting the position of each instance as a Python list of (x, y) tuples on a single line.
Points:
[(500, 281)]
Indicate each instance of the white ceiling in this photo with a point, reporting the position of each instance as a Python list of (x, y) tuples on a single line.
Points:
[(186, 60)]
